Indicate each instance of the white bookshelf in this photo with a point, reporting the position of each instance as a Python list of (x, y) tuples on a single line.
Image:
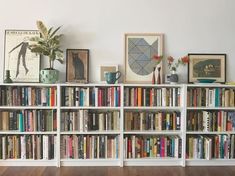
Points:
[(31, 162), (95, 161), (121, 161), (213, 161), (156, 161)]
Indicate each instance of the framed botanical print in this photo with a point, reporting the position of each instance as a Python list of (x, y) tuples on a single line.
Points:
[(140, 49), (77, 65), (24, 65), (207, 67), (107, 68)]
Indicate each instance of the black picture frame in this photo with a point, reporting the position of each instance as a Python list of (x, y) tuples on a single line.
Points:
[(24, 65), (77, 65), (207, 66)]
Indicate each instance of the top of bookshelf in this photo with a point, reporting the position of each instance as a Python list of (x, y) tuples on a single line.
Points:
[(209, 85), (117, 85), (28, 84)]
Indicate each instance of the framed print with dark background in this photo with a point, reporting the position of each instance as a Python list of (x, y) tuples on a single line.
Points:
[(139, 51), (77, 65), (207, 66), (24, 65)]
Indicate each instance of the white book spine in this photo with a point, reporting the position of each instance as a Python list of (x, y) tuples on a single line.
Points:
[(23, 147)]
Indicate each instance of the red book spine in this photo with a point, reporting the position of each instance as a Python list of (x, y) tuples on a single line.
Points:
[(129, 148), (99, 97)]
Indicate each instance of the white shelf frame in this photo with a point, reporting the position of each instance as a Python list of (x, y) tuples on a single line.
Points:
[(121, 161)]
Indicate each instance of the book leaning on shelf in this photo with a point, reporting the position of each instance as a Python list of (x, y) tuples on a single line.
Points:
[(35, 147), (27, 96), (211, 97), (211, 121), (91, 96), (136, 146), (85, 120), (152, 121), (89, 147), (210, 147), (138, 96), (28, 120)]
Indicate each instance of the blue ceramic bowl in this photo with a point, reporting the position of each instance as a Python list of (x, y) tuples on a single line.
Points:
[(206, 80)]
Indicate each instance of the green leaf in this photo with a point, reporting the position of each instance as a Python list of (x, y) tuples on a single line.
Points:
[(53, 33), (49, 31)]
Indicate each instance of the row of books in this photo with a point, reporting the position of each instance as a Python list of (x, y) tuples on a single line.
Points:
[(85, 120), (35, 147), (28, 120), (152, 146), (210, 147), (27, 96), (138, 96), (91, 96), (152, 121), (211, 97), (211, 121), (89, 146)]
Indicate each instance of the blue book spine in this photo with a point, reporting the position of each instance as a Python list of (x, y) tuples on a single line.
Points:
[(81, 98), (21, 122), (217, 97)]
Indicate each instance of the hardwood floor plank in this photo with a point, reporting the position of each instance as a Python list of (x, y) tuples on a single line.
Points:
[(117, 171)]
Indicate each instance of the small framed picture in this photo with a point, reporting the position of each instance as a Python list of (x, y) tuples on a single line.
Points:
[(207, 67), (24, 65), (77, 65), (107, 68), (139, 51)]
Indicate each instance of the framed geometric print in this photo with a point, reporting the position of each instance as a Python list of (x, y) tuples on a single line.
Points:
[(139, 51)]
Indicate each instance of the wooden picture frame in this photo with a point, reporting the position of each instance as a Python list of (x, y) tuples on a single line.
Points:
[(139, 51), (207, 66), (77, 65), (24, 65), (107, 68)]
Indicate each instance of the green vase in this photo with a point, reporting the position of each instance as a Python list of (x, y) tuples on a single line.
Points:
[(48, 76)]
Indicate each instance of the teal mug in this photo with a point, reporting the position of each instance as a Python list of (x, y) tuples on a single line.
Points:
[(112, 77)]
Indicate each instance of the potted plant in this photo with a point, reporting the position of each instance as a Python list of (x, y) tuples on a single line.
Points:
[(48, 45), (173, 64)]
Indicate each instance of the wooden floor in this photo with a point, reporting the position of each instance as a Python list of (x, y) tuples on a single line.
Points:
[(117, 171)]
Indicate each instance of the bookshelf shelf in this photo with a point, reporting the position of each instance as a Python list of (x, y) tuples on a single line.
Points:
[(214, 132), (153, 108), (153, 162), (89, 107), (28, 162), (90, 162), (154, 132), (121, 135), (212, 162), (25, 133), (210, 108), (27, 107), (90, 132)]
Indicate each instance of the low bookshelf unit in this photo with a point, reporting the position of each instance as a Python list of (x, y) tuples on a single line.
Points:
[(70, 124)]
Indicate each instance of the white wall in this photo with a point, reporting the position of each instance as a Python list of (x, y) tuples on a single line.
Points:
[(99, 25)]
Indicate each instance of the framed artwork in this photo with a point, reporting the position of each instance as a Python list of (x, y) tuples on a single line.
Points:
[(139, 51), (107, 68), (24, 65), (207, 66), (77, 65)]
